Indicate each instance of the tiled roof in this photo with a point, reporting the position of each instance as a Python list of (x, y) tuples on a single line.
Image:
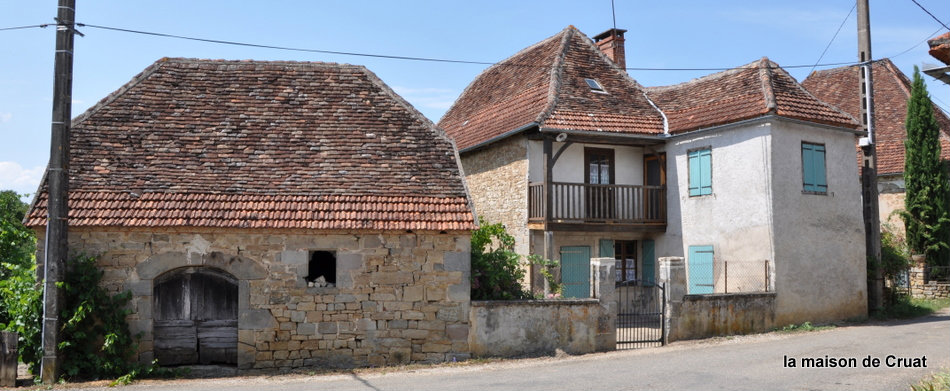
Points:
[(747, 92), (839, 87), (212, 143), (940, 48), (544, 85)]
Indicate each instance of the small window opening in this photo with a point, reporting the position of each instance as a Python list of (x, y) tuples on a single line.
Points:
[(321, 271), (594, 85)]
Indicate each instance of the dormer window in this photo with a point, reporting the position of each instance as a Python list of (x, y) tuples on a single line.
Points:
[(595, 86)]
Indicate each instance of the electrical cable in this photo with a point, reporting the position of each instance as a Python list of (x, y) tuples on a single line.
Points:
[(833, 38), (931, 15), (24, 27), (395, 57)]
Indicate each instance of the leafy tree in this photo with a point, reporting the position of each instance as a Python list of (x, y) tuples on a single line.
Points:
[(926, 218), (496, 268), (17, 243)]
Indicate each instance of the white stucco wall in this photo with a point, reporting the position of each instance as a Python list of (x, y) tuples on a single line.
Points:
[(735, 218), (757, 211), (819, 250), (570, 165)]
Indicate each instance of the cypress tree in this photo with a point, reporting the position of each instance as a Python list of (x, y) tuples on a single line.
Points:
[(927, 193)]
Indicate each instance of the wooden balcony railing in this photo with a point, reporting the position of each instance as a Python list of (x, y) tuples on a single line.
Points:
[(585, 203)]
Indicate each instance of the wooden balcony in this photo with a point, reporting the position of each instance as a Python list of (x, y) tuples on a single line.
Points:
[(586, 207)]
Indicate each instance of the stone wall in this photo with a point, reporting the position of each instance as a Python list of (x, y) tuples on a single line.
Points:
[(929, 289), (701, 316), (537, 327), (497, 180), (399, 297)]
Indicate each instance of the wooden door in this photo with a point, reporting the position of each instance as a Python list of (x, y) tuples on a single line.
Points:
[(700, 269), (575, 271), (599, 167), (195, 317), (654, 177)]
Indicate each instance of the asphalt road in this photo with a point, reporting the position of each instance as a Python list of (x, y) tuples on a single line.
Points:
[(742, 363)]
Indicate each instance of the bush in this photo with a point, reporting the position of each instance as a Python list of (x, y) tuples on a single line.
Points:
[(95, 341), (496, 268)]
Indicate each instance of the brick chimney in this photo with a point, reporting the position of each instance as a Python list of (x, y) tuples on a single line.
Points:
[(611, 43)]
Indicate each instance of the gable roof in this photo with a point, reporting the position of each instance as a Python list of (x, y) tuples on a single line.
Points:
[(940, 48), (543, 85), (839, 86), (746, 92), (254, 144)]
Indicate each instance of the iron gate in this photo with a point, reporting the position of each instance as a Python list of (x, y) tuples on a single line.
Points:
[(640, 309)]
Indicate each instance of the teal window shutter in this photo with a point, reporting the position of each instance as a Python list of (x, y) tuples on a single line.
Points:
[(649, 262), (606, 248), (700, 172), (813, 168), (700, 270)]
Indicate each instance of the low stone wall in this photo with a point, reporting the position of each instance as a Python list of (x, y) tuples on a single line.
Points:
[(927, 290), (699, 316), (538, 327)]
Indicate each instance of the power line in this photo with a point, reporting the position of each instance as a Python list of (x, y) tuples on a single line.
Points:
[(395, 57), (931, 15), (24, 27), (918, 43), (833, 38)]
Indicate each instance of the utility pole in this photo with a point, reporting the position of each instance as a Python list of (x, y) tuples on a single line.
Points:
[(872, 219), (58, 189)]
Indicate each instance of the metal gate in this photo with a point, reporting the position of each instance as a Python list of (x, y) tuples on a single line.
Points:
[(640, 309)]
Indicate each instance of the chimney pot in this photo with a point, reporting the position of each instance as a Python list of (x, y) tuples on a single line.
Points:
[(611, 43)]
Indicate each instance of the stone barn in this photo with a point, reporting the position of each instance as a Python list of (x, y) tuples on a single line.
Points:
[(272, 215)]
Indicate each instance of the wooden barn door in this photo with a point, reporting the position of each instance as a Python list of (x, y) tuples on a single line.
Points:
[(195, 317)]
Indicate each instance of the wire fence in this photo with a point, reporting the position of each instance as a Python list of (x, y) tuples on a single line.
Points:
[(720, 276)]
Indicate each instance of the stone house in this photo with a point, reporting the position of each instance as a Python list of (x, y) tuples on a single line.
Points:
[(740, 173), (839, 87), (272, 215)]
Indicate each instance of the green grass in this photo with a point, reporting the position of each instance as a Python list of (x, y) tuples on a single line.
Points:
[(938, 382), (804, 327), (905, 308)]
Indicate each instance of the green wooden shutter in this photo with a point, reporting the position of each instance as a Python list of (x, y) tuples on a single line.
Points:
[(649, 262), (606, 248), (700, 172), (700, 264), (813, 168), (575, 271)]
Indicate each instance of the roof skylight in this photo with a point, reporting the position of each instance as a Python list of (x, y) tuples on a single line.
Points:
[(594, 85)]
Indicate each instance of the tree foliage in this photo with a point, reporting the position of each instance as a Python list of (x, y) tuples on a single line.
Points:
[(17, 245), (496, 268), (926, 218)]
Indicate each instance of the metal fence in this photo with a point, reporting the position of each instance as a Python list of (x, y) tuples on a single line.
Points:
[(722, 276), (640, 312)]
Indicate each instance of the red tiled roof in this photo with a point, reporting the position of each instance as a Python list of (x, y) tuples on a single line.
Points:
[(839, 87), (544, 85), (747, 92), (211, 143), (940, 48)]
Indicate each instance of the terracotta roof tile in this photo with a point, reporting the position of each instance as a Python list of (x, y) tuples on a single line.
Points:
[(839, 87), (746, 92), (260, 144), (544, 85), (940, 48)]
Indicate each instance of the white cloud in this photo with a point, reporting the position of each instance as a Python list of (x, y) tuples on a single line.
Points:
[(21, 180), (5, 117)]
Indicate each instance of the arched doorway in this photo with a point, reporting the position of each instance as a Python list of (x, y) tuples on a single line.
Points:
[(195, 317)]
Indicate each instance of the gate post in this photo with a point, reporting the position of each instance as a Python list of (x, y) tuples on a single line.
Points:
[(8, 358), (672, 276), (603, 289)]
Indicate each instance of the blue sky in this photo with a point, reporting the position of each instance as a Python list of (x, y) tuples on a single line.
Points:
[(662, 34)]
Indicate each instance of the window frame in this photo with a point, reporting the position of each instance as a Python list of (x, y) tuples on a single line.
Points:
[(819, 187), (701, 190)]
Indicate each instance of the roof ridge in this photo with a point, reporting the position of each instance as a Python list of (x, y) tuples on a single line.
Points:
[(557, 69), (899, 76), (498, 64), (768, 90), (727, 72), (809, 94)]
